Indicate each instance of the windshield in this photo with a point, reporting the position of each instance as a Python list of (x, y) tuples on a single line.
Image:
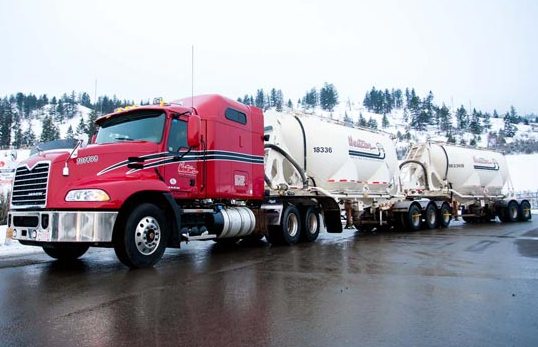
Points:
[(133, 126)]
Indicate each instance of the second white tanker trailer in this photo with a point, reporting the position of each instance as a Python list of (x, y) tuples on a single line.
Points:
[(475, 182)]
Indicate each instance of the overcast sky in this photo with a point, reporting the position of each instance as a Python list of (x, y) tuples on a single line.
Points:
[(483, 53)]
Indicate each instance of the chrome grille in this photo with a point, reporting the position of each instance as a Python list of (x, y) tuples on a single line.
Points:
[(30, 186)]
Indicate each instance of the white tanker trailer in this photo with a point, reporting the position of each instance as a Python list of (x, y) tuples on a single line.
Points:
[(475, 182), (334, 167)]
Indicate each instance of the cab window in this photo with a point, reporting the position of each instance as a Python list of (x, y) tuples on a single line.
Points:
[(178, 135)]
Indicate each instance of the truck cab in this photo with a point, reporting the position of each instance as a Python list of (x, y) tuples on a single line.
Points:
[(152, 177)]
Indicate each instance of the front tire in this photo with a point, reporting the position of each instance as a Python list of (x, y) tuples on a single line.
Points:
[(65, 252), (142, 241)]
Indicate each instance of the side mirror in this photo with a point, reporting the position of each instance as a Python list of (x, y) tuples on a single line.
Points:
[(193, 131)]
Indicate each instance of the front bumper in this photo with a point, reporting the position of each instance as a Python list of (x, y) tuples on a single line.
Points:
[(62, 226)]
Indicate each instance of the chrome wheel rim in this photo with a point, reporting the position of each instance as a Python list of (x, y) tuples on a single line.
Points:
[(147, 235), (293, 225)]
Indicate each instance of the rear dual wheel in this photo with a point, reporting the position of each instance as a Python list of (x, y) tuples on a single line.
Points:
[(295, 227), (509, 213)]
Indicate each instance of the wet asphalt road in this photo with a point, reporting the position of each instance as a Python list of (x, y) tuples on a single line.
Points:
[(469, 285)]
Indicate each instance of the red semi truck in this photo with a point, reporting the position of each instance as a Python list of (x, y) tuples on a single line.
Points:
[(155, 176), (210, 168)]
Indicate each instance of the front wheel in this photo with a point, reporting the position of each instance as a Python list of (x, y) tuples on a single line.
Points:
[(65, 252), (142, 241)]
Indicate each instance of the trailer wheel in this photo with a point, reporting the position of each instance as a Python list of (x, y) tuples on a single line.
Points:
[(524, 211), (289, 230), (512, 211), (431, 216), (445, 215), (413, 219), (311, 225), (142, 241), (65, 252)]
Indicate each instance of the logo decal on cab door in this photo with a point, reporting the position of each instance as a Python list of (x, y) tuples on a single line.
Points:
[(186, 169)]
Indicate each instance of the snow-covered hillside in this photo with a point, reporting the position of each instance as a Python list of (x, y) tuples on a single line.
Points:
[(36, 121)]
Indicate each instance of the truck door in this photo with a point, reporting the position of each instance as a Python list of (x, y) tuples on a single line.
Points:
[(182, 173)]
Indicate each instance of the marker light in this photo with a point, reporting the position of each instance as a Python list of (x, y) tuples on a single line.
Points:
[(87, 195)]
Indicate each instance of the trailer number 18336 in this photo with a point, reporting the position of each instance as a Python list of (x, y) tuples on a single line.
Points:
[(323, 149)]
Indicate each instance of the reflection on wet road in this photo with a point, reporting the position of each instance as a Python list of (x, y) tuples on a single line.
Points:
[(463, 286)]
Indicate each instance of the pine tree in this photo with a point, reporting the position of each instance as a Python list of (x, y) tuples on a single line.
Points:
[(444, 118), (81, 127), (311, 99), (50, 131), (513, 116), (462, 118), (17, 132), (474, 124), (91, 127), (509, 129), (290, 104), (385, 121), (6, 121), (487, 121), (28, 138), (260, 99), (372, 123), (60, 111), (362, 121), (328, 97), (85, 100), (428, 108), (69, 134)]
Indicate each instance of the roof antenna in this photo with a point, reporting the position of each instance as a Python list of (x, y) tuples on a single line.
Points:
[(192, 78)]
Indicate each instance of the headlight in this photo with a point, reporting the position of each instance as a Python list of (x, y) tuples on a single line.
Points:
[(87, 195)]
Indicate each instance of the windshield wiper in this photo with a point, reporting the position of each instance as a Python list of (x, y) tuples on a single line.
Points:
[(123, 138)]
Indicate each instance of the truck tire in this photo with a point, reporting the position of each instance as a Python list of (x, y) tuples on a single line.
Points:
[(444, 215), (311, 225), (430, 216), (525, 211), (413, 218), (512, 211), (289, 230), (142, 241), (65, 252)]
